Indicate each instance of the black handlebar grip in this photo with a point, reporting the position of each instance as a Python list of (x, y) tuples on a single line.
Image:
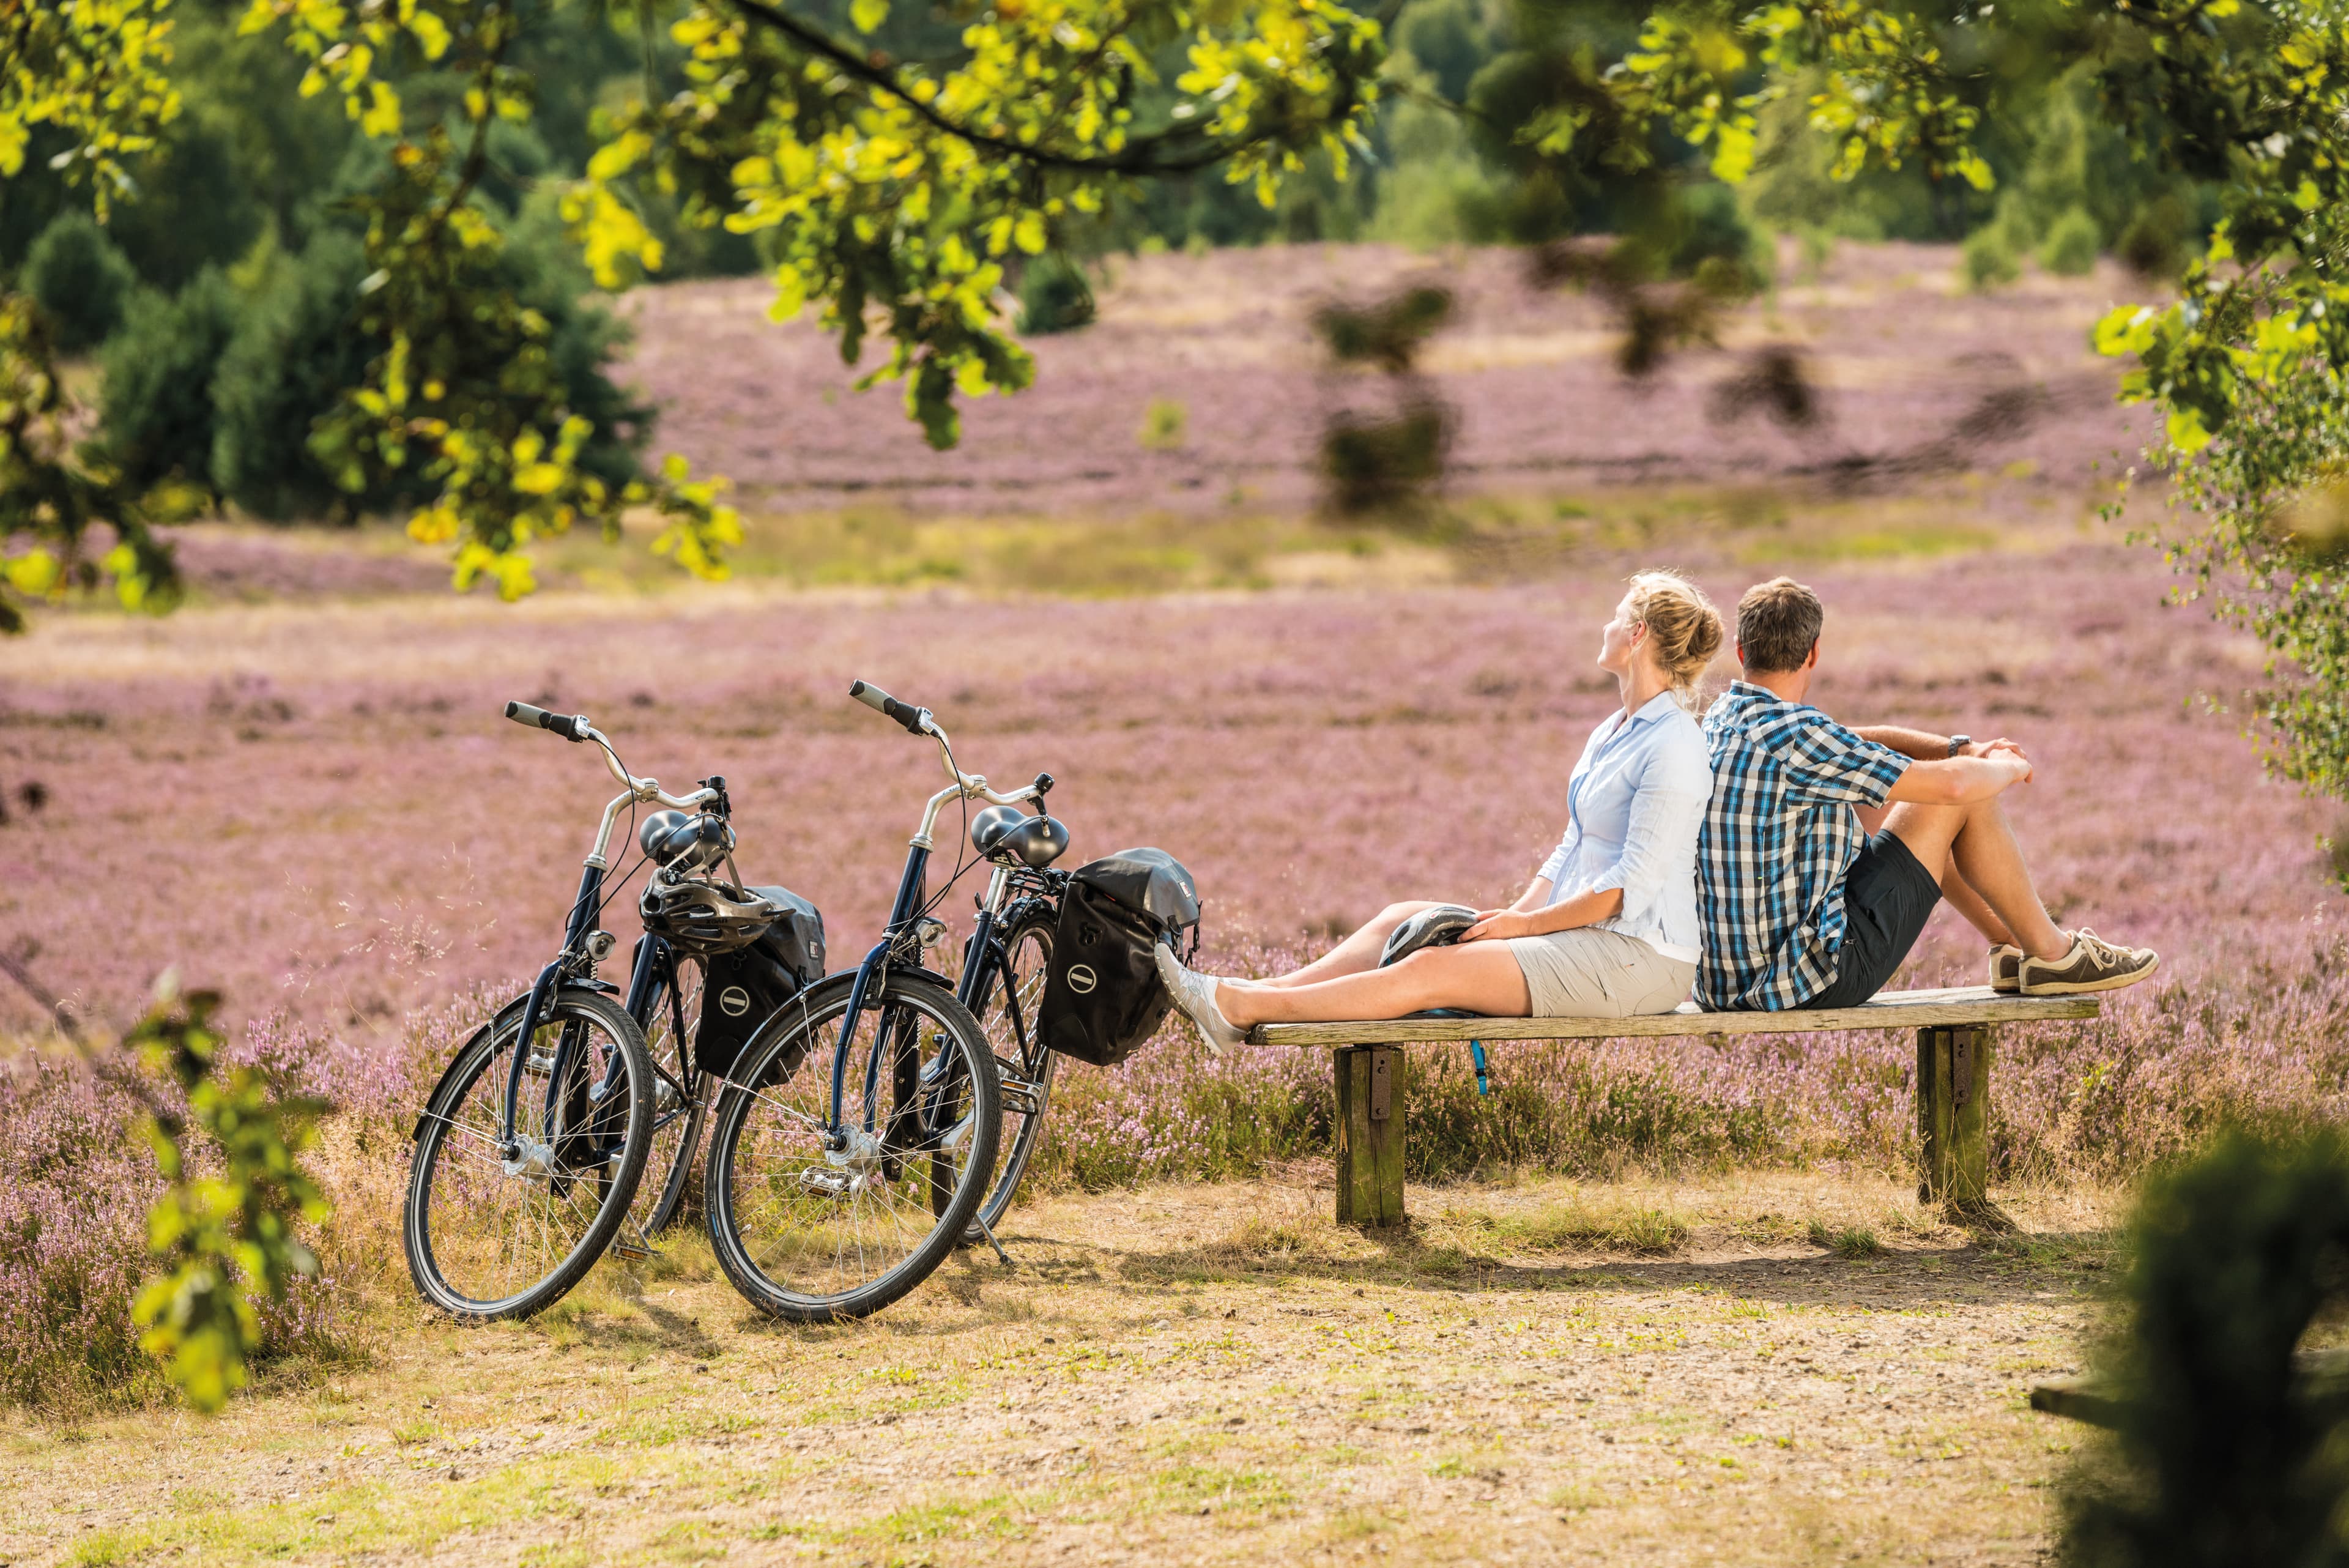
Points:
[(566, 725), (873, 697)]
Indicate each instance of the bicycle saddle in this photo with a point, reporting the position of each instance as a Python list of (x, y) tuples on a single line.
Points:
[(1008, 837), (1437, 927)]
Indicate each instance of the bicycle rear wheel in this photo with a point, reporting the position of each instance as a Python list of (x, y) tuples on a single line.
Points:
[(815, 1234), (491, 1232), (1006, 1010), (680, 1097)]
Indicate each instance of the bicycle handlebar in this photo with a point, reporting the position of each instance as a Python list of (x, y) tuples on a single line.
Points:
[(572, 727), (916, 721), (575, 727)]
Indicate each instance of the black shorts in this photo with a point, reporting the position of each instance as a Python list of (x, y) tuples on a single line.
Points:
[(1888, 897)]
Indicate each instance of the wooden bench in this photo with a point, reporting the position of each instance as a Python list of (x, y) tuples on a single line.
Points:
[(1953, 1052)]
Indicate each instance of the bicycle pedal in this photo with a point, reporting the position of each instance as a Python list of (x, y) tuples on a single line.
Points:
[(631, 1252)]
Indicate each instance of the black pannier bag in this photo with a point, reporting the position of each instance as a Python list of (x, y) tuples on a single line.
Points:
[(1102, 996), (744, 987)]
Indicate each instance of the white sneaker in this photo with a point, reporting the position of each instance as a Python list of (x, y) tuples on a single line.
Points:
[(1194, 994)]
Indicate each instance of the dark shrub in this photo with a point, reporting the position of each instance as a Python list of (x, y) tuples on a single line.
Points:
[(2227, 1444), (1384, 465), (299, 347), (292, 355), (80, 278), (2072, 245), (1054, 296), (155, 415)]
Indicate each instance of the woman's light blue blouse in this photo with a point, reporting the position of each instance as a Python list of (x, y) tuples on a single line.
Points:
[(1634, 806)]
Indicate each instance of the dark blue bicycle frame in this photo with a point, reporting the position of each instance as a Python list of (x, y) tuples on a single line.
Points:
[(903, 915), (584, 910)]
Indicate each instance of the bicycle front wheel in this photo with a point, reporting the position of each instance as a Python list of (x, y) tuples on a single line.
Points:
[(495, 1230), (816, 1228)]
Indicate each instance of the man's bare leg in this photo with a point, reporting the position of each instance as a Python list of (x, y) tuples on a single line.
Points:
[(1954, 887), (1979, 914), (1978, 844), (1478, 977), (1357, 953)]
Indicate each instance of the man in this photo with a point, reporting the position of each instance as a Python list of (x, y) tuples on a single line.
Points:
[(1804, 903)]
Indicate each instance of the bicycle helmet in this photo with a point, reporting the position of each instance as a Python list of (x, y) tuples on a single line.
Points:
[(1437, 927), (702, 915)]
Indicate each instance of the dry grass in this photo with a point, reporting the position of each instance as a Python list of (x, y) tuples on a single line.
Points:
[(1180, 1373)]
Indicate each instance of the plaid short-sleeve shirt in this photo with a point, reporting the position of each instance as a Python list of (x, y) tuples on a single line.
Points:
[(1778, 840)]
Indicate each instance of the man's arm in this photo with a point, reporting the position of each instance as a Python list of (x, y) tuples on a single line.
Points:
[(1961, 781), (1928, 747), (1922, 744)]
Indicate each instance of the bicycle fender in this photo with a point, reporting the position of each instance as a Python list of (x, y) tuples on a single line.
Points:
[(503, 1016)]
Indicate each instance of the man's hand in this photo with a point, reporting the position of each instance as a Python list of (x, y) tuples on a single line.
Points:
[(1986, 748), (2010, 755)]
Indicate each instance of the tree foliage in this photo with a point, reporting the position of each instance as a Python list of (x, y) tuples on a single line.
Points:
[(225, 1231), (2247, 365), (53, 500), (893, 194)]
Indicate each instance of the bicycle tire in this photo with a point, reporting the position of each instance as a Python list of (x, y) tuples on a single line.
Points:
[(1033, 1065), (673, 1067), (778, 1176), (455, 1107)]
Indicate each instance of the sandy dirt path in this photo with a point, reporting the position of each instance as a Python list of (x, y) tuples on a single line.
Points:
[(1185, 1373)]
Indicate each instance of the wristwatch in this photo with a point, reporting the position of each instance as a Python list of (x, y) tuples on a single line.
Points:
[(1959, 744)]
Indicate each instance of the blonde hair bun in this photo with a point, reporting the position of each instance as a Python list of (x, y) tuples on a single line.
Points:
[(1684, 628)]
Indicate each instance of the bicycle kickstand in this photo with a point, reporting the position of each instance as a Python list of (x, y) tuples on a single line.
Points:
[(989, 1231)]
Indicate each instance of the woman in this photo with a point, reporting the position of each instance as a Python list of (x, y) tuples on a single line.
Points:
[(1607, 930)]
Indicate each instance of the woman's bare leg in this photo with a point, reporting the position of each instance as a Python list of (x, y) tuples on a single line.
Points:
[(1357, 953), (1477, 977)]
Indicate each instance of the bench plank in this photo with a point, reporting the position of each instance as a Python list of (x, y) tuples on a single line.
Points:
[(1961, 1005)]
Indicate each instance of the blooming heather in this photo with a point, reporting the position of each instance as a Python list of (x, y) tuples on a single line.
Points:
[(319, 810)]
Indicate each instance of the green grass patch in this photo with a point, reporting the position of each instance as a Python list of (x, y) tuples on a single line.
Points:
[(1576, 1226), (1854, 1241)]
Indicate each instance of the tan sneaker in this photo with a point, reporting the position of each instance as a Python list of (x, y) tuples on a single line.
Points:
[(2005, 969), (2093, 964)]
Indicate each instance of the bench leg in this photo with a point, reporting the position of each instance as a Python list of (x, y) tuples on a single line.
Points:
[(1369, 1133), (1953, 1119)]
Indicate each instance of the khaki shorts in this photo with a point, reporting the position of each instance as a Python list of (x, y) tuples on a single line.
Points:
[(1592, 973)]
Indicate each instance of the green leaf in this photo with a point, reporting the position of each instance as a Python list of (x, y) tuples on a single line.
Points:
[(868, 15), (2186, 430)]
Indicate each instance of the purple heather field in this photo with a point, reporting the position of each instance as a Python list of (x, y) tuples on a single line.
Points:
[(302, 793)]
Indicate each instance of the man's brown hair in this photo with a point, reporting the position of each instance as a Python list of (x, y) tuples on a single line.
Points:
[(1778, 626)]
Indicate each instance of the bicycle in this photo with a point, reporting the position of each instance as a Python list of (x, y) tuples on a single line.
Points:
[(830, 1196), (531, 1149)]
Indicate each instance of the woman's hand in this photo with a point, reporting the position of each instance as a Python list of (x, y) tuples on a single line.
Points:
[(1498, 924)]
